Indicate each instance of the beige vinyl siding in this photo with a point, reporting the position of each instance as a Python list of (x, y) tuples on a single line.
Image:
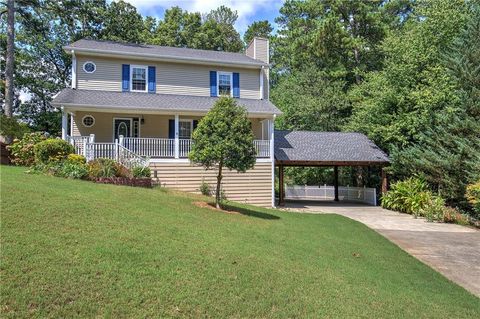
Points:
[(261, 51), (252, 187), (154, 125), (171, 78), (107, 75)]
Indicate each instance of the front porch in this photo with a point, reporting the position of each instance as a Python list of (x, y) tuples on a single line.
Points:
[(154, 136)]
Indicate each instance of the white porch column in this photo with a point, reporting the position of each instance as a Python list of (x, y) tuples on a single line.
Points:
[(64, 124), (272, 156), (177, 141)]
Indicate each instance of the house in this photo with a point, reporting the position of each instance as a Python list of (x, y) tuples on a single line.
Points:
[(141, 103)]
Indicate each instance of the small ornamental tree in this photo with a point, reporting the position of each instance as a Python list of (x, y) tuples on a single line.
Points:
[(224, 138)]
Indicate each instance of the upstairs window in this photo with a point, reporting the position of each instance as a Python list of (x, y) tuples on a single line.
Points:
[(139, 78), (224, 84)]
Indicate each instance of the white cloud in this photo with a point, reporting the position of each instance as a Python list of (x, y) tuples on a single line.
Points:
[(246, 9)]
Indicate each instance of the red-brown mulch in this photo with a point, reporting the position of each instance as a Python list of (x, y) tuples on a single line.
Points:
[(126, 181)]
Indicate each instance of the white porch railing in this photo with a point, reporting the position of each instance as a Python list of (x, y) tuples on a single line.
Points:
[(78, 142), (151, 147), (148, 147), (262, 148), (185, 145), (359, 194)]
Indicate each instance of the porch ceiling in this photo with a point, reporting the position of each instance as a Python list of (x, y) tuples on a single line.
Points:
[(144, 102)]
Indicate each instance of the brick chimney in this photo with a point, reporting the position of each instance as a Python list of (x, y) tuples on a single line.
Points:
[(258, 49)]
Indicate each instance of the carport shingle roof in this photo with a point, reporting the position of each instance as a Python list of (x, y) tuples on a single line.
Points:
[(152, 102), (310, 146)]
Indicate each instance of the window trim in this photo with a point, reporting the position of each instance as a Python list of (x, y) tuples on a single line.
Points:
[(218, 82), (85, 63), (191, 128), (135, 66), (88, 115)]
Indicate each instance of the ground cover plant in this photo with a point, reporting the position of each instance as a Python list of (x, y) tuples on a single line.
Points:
[(71, 248)]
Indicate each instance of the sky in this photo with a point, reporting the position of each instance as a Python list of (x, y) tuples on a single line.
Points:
[(248, 10)]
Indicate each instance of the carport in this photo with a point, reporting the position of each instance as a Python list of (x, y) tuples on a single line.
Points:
[(334, 149)]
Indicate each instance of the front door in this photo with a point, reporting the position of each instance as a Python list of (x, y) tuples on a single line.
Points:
[(122, 127)]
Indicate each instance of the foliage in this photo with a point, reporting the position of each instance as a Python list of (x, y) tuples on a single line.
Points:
[(77, 238), (393, 106), (452, 215), (141, 172), (52, 150), (310, 101), (224, 139), (10, 126), (22, 150), (262, 29), (205, 189), (448, 151), (408, 196), (76, 158), (102, 167), (74, 170), (473, 197)]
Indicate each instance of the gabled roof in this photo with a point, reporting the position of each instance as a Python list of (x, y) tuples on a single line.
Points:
[(135, 101), (111, 48), (327, 147)]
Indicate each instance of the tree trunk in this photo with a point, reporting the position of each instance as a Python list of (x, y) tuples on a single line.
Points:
[(218, 194), (10, 58)]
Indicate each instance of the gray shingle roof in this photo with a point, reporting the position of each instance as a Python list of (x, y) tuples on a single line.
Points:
[(156, 51), (152, 102), (326, 147)]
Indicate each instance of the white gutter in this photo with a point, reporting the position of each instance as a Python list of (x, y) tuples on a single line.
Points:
[(166, 58), (74, 70)]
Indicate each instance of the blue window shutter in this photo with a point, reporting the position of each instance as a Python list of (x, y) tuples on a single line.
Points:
[(171, 128), (125, 77), (236, 85), (195, 123), (213, 83), (152, 83)]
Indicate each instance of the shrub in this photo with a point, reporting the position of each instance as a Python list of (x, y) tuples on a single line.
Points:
[(52, 150), (434, 209), (205, 189), (122, 171), (408, 196), (73, 170), (473, 197), (452, 215), (102, 167), (141, 172), (75, 158), (22, 151)]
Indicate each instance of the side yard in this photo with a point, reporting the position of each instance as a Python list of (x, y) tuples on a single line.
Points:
[(72, 248)]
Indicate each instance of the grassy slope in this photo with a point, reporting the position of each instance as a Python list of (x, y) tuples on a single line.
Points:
[(74, 248)]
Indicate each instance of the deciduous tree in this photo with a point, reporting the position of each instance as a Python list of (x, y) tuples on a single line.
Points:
[(224, 139)]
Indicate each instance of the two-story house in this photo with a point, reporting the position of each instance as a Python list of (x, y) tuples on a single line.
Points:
[(148, 99)]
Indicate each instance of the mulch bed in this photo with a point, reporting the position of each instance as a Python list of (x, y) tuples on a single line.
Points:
[(126, 181)]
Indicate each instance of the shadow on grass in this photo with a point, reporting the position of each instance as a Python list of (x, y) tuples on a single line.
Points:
[(249, 212)]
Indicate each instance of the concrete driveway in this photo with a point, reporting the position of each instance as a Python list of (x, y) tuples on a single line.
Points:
[(452, 250)]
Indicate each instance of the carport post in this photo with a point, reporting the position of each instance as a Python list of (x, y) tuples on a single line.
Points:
[(335, 182)]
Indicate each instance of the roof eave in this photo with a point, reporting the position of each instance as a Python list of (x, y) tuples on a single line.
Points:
[(155, 57), (133, 109)]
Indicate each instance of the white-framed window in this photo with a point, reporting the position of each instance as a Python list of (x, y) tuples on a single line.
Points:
[(89, 67), (138, 78), (88, 121), (224, 83), (185, 129)]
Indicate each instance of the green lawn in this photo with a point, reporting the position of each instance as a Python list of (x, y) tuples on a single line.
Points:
[(78, 249)]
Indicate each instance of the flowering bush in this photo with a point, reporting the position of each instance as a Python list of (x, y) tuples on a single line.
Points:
[(52, 150), (22, 151), (75, 158)]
